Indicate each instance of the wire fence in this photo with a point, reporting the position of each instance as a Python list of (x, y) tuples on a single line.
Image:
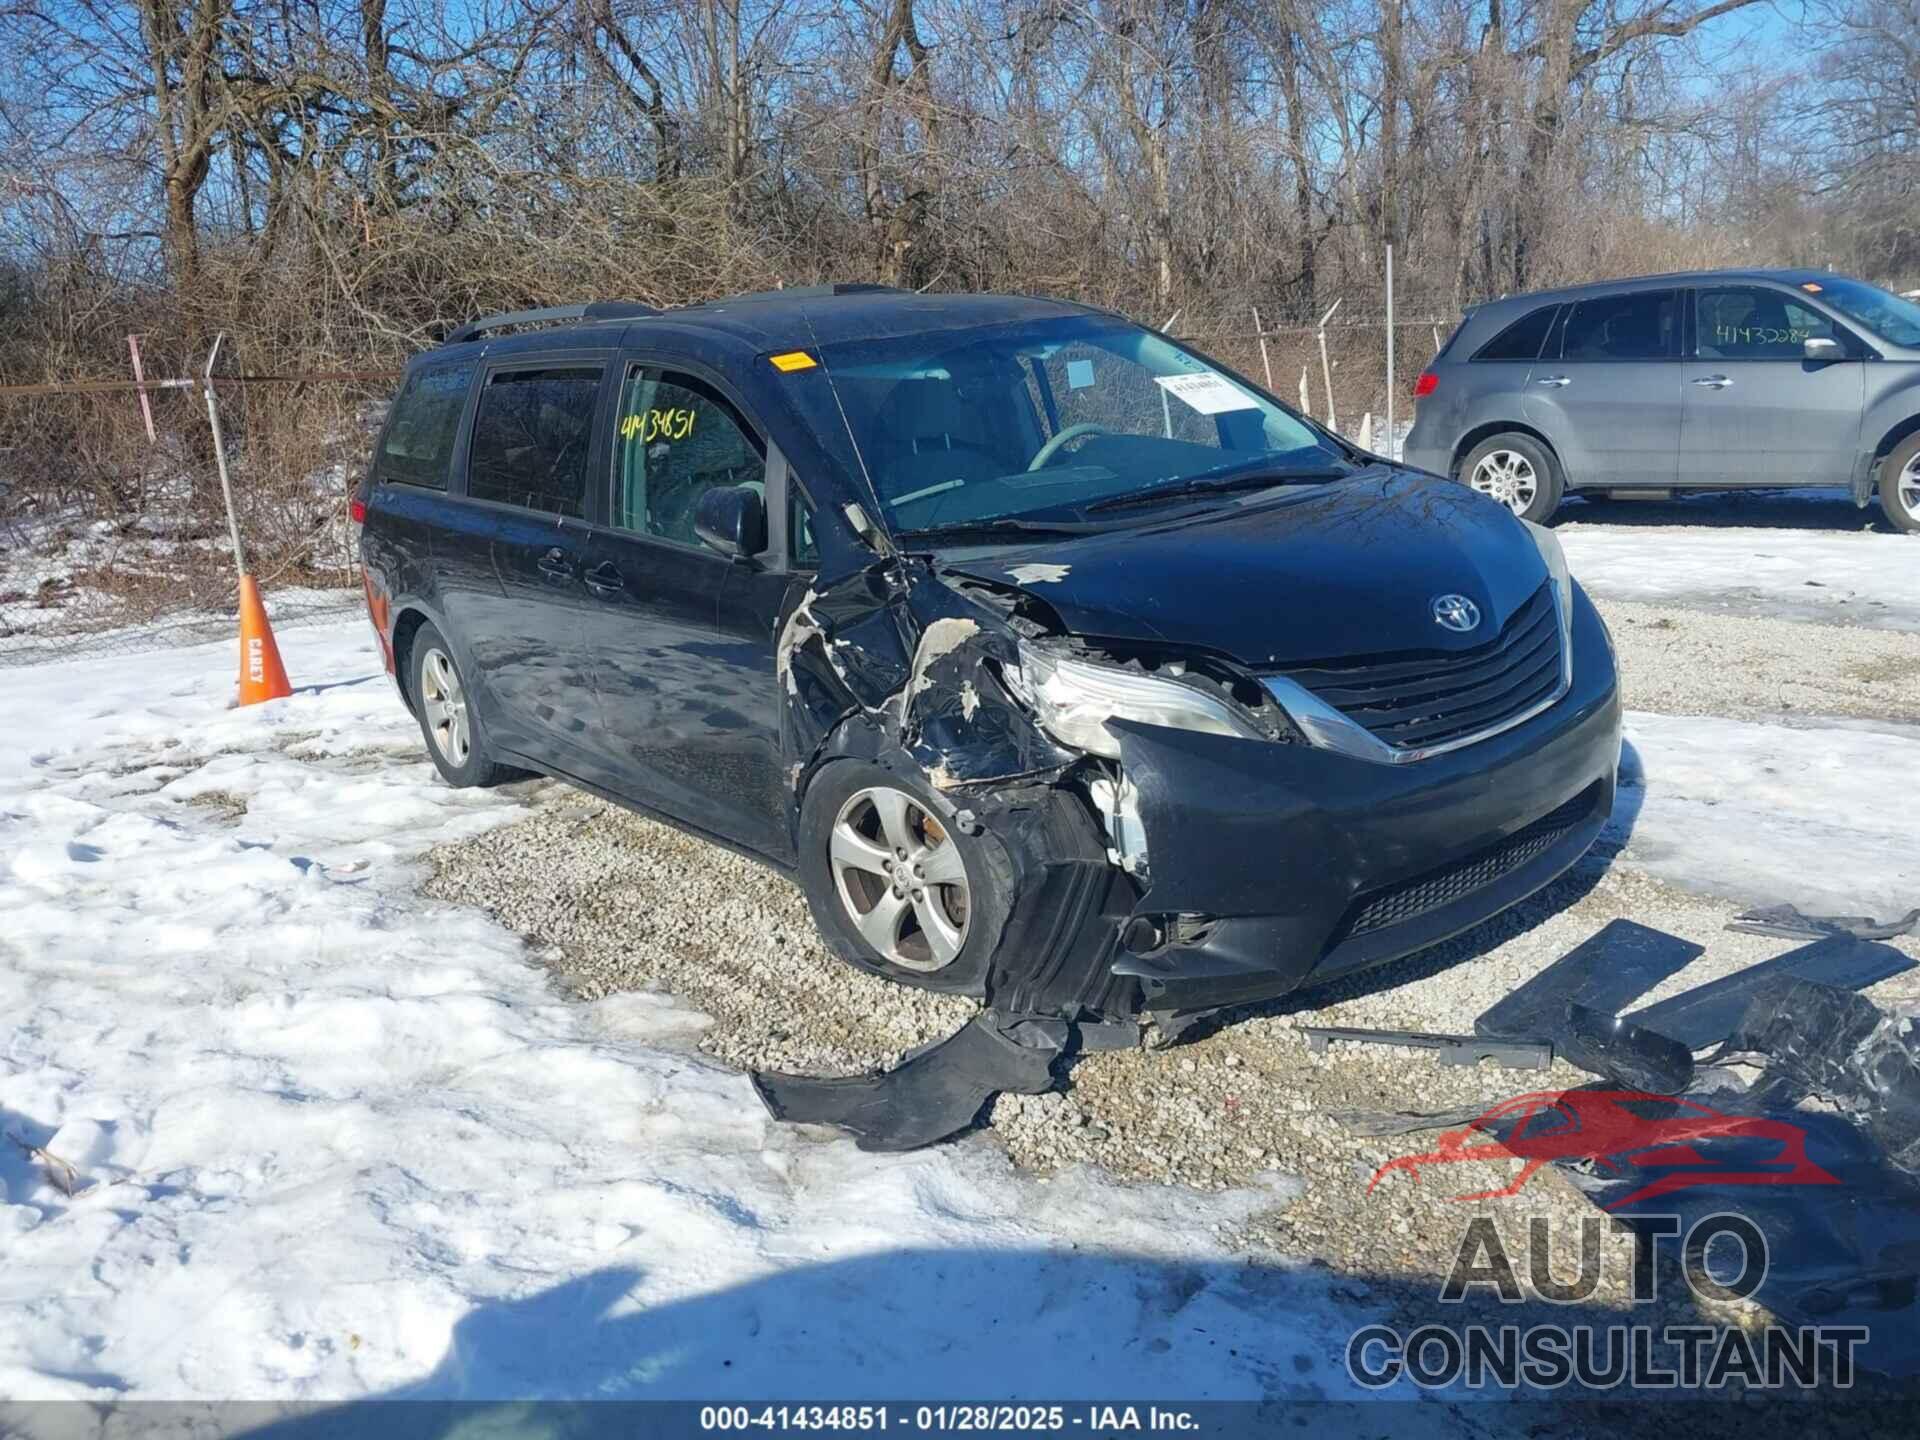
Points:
[(112, 541)]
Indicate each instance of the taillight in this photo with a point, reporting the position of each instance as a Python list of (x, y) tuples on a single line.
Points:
[(357, 509), (1425, 385)]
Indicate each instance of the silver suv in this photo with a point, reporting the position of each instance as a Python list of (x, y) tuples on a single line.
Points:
[(1720, 380)]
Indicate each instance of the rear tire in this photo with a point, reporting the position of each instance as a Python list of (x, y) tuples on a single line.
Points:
[(855, 820), (1900, 485), (443, 704), (1517, 471)]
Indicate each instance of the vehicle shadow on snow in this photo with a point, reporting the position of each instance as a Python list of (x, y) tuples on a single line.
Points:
[(1829, 510), (1562, 894), (1020, 1326)]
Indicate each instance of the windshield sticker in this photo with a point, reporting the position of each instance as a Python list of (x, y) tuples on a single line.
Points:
[(1209, 394), (1079, 374), (673, 424)]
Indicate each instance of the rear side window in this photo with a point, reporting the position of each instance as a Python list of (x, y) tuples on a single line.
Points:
[(675, 438), (1643, 326), (1754, 323), (531, 438), (1522, 339), (418, 441)]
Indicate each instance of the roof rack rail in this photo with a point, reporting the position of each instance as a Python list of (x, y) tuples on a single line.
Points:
[(807, 292), (591, 310)]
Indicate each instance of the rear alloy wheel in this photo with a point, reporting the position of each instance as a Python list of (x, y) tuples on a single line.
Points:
[(443, 703), (901, 880), (1900, 485), (1517, 471)]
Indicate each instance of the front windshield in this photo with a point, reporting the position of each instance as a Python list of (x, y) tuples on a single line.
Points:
[(1886, 315), (1049, 419)]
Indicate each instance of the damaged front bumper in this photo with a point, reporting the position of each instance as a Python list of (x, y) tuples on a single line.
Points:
[(1273, 865)]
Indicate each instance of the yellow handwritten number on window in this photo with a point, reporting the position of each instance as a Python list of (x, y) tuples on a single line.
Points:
[(671, 424)]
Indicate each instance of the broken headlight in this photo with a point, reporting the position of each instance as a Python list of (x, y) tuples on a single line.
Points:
[(1074, 699)]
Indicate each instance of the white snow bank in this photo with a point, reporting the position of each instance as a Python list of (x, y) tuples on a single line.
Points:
[(1821, 816), (336, 1140), (1841, 578)]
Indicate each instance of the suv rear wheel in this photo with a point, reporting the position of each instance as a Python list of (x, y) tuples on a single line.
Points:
[(1518, 471), (1900, 485)]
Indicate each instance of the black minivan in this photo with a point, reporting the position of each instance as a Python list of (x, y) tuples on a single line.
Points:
[(1059, 664)]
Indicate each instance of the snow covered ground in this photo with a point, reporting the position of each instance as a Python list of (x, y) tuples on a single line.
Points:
[(334, 1140), (1836, 577), (1816, 814)]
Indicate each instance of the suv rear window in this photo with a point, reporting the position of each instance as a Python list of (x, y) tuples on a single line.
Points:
[(531, 437), (418, 441), (1522, 339), (1642, 326)]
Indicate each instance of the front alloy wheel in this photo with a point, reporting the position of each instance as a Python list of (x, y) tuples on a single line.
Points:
[(900, 879), (1509, 477)]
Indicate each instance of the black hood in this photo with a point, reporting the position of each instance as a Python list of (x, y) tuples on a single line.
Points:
[(1349, 568)]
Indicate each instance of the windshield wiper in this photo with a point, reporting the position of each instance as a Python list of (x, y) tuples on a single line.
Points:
[(1261, 480), (1005, 525)]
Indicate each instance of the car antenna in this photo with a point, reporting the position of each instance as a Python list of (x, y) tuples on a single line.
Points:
[(857, 516)]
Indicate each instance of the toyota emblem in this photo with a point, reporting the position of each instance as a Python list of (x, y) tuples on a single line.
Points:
[(1456, 613)]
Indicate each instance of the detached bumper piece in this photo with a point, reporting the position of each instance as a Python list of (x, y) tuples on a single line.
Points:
[(935, 1092)]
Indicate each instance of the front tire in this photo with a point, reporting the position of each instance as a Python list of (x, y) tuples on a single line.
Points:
[(1900, 485), (1516, 470), (443, 704), (896, 888)]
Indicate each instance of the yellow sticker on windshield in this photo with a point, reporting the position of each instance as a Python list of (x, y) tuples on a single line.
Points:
[(794, 360)]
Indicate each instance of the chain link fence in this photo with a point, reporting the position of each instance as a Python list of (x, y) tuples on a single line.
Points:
[(113, 537)]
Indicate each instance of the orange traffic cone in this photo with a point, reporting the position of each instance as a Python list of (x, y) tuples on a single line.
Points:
[(262, 676)]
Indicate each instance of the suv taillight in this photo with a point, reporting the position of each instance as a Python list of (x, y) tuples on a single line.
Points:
[(357, 508), (1425, 385)]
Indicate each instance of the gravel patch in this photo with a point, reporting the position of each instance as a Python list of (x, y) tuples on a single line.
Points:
[(1693, 662)]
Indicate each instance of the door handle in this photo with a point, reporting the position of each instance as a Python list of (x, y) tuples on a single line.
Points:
[(1555, 382), (604, 579), (1713, 382), (555, 566)]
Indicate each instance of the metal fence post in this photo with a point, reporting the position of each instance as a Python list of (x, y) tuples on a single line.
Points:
[(1390, 432), (220, 457), (1326, 365)]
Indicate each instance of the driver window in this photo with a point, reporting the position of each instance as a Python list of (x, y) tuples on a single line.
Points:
[(1753, 323), (674, 439), (531, 435)]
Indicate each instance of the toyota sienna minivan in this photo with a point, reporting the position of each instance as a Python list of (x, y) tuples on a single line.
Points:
[(1058, 664)]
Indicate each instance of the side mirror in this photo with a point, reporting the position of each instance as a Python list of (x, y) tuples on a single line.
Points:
[(1820, 348), (732, 519)]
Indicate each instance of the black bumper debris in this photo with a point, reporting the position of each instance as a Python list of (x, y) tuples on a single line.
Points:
[(935, 1092), (1789, 923), (1451, 1049)]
